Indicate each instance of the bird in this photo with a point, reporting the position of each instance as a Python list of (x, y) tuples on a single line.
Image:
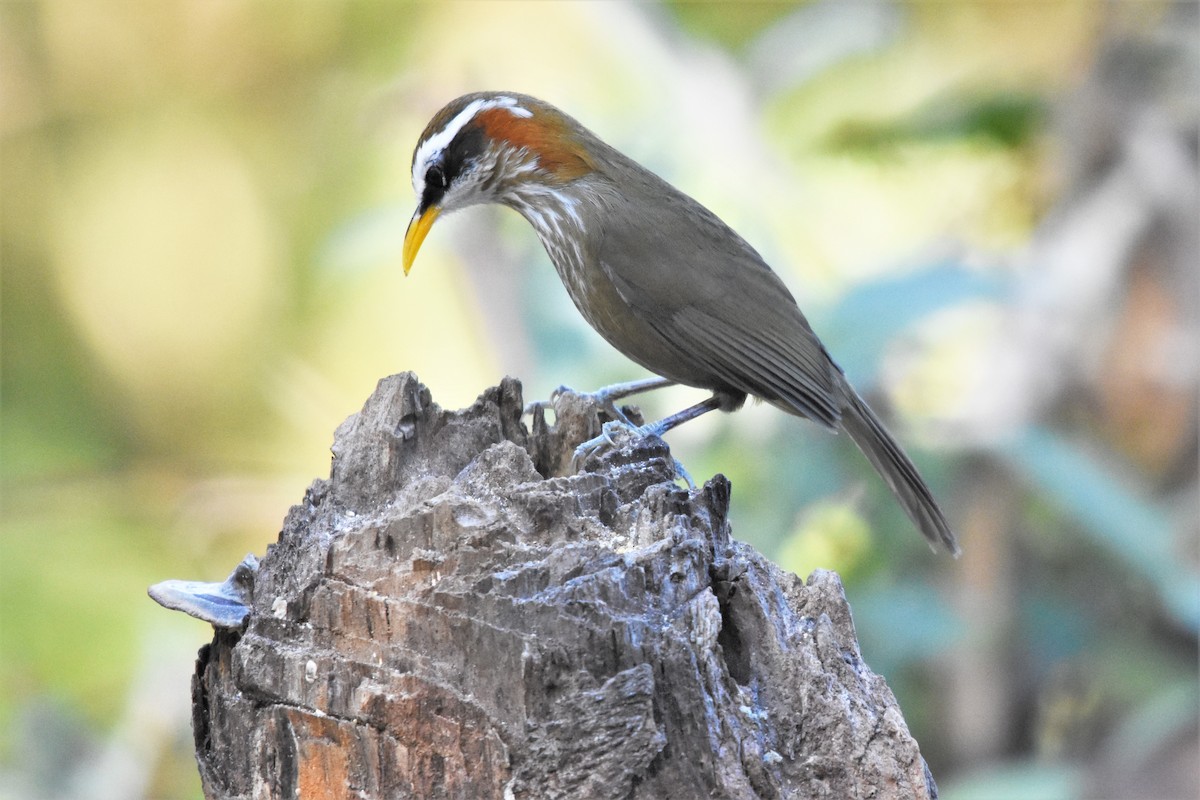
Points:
[(659, 276)]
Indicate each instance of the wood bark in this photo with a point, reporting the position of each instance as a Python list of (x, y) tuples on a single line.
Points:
[(456, 613)]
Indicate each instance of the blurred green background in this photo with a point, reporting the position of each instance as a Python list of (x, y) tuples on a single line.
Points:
[(988, 210)]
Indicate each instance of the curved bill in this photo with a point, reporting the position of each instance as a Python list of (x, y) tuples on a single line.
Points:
[(418, 228)]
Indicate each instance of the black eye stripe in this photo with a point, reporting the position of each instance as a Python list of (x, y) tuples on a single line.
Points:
[(435, 177), (436, 183), (447, 167)]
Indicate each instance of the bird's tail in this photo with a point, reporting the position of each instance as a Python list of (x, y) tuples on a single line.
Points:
[(898, 471)]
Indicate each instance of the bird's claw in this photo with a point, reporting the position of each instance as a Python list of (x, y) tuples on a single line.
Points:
[(681, 472), (604, 397), (605, 438), (537, 405), (601, 397)]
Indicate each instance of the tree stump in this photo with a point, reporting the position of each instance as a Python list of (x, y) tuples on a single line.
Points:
[(454, 614)]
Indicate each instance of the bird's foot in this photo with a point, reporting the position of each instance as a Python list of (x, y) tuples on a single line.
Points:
[(604, 398), (606, 439), (535, 406), (682, 473)]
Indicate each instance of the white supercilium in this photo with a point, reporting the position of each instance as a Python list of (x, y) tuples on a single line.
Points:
[(432, 148)]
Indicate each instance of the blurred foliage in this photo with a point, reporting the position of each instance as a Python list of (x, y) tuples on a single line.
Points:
[(1004, 120), (200, 222), (733, 31)]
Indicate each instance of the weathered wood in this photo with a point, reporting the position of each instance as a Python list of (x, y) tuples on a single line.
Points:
[(450, 615)]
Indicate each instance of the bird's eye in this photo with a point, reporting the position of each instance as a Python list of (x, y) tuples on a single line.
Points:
[(436, 176)]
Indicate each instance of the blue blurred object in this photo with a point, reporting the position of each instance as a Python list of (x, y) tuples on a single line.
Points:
[(869, 316), (1086, 485), (905, 624), (222, 605)]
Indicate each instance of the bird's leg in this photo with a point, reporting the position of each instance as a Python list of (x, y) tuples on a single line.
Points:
[(620, 390), (678, 418), (605, 396), (654, 429)]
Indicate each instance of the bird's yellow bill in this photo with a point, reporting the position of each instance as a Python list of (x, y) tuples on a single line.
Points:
[(417, 230)]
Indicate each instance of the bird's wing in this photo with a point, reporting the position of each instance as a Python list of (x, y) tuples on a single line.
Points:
[(702, 287)]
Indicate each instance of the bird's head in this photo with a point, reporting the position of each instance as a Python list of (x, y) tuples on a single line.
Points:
[(488, 147)]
